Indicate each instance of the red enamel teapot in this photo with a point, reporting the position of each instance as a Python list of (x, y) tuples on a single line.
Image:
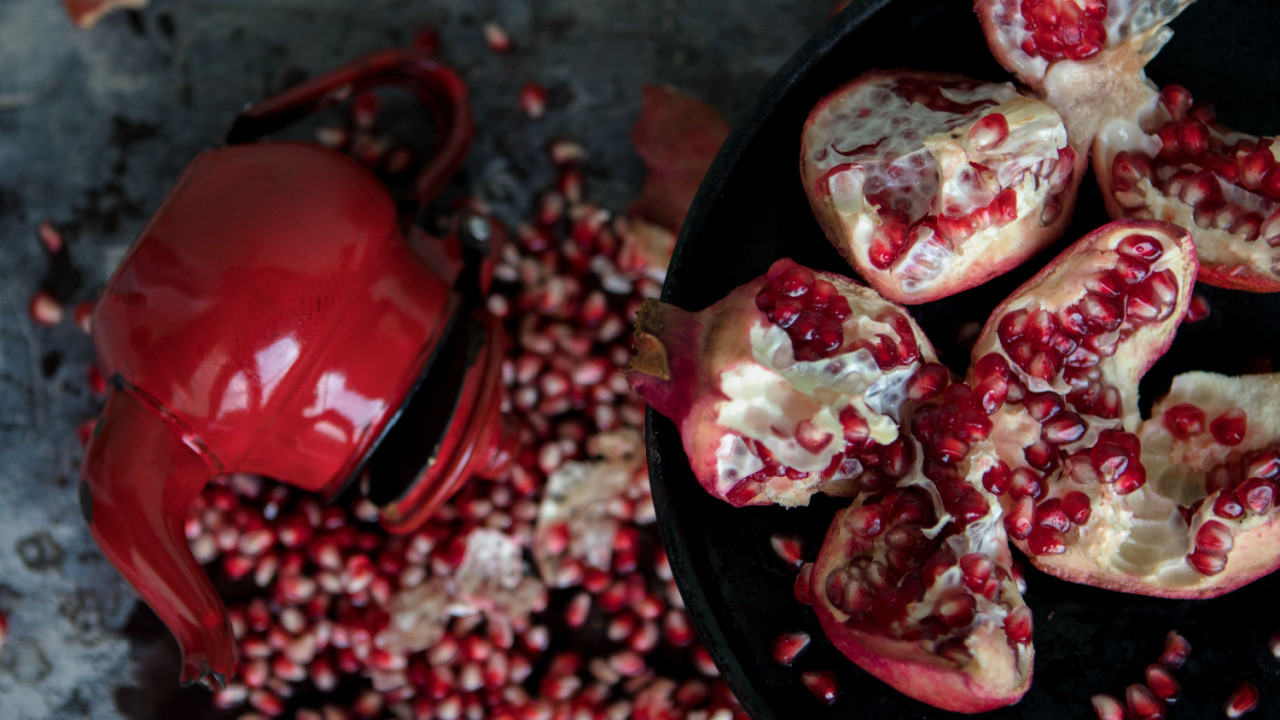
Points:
[(272, 318)]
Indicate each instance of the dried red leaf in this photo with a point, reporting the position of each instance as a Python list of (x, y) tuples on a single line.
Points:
[(87, 12), (677, 137)]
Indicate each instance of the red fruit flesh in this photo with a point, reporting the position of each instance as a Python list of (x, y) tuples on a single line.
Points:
[(932, 183), (790, 385)]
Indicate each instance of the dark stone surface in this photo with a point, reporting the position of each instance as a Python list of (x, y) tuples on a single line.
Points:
[(95, 125)]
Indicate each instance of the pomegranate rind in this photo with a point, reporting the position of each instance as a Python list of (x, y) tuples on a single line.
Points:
[(682, 361), (998, 674), (849, 221)]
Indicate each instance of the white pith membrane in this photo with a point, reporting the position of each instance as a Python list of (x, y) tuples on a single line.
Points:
[(1135, 541), (939, 172), (770, 395), (1159, 536), (1236, 226)]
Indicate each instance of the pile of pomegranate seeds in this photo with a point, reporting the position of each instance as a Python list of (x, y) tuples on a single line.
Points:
[(543, 594)]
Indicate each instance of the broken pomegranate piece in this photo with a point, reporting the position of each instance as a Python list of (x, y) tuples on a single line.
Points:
[(790, 385), (1178, 506), (1156, 153), (1172, 161), (932, 183)]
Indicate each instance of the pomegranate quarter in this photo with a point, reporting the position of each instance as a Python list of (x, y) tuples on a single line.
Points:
[(1178, 506), (1156, 153), (931, 183), (792, 384)]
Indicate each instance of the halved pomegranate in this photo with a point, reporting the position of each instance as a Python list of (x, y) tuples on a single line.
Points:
[(790, 385), (1156, 154), (915, 584), (1091, 494), (931, 183)]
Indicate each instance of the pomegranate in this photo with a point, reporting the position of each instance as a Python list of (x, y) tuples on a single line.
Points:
[(931, 183), (914, 586), (790, 385), (1156, 153), (1094, 495), (1171, 161)]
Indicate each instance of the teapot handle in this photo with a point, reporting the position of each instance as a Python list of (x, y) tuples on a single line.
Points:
[(439, 89)]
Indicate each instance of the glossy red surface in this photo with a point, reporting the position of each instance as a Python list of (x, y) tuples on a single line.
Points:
[(272, 319)]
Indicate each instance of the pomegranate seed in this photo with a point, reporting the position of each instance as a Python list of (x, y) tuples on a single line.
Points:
[(822, 684), (1108, 707), (533, 100), (1162, 683), (1077, 506), (1229, 428), (1143, 704), (989, 131), (1198, 309), (789, 548), (1207, 563), (1243, 700), (1018, 625), (496, 37), (1020, 521), (1256, 494), (788, 646), (1045, 541), (802, 588), (45, 309), (1214, 537), (1274, 644), (1184, 421)]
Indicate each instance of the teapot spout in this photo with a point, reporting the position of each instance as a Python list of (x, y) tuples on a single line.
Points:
[(141, 471)]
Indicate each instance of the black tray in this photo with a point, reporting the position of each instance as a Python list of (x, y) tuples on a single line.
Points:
[(751, 210)]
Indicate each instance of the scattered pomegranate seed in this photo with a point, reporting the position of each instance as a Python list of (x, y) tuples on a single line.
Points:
[(45, 309), (1163, 683), (533, 100), (1198, 309), (822, 684), (1108, 707), (1143, 704), (788, 646), (1242, 701), (790, 548), (1176, 650), (496, 37), (50, 237), (82, 316)]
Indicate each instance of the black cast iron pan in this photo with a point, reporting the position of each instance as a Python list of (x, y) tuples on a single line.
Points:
[(751, 210)]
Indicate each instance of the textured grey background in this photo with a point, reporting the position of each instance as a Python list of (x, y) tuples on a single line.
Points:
[(96, 124)]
